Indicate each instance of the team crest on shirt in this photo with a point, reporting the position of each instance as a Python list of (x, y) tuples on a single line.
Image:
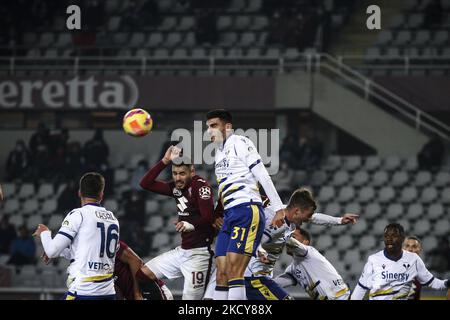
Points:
[(176, 192), (406, 265), (204, 192), (65, 223)]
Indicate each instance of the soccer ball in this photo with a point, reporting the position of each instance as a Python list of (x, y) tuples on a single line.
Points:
[(137, 122)]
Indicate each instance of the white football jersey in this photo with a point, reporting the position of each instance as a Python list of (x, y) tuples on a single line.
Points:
[(233, 163), (274, 241), (392, 280), (94, 232), (316, 274)]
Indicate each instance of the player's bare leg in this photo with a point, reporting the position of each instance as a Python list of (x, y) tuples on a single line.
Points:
[(221, 291), (235, 265)]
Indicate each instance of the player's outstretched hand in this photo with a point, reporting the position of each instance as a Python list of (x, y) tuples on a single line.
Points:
[(263, 255), (40, 228), (218, 223), (278, 219), (45, 258), (350, 218), (171, 153), (183, 226)]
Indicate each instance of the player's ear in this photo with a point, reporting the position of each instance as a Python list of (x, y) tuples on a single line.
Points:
[(101, 196), (79, 194)]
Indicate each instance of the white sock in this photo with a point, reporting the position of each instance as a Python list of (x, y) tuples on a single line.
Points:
[(237, 293), (220, 294)]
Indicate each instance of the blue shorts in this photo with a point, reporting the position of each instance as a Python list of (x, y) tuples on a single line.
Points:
[(73, 296), (264, 288), (242, 230)]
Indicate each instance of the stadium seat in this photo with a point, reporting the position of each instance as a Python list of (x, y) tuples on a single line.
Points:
[(367, 242), (121, 176), (440, 38), (372, 210), (352, 163), (442, 179), (397, 21), (435, 211), (379, 178), (333, 208), (411, 164), (11, 206), (111, 205), (254, 6), (356, 268), (172, 39), (403, 38), (360, 227), (114, 23), (429, 194), (353, 207), (394, 210), (384, 37), (344, 242), (405, 224), (33, 221), (224, 23), (155, 223), (291, 53), (55, 221), (415, 211), (408, 194), (331, 254), (422, 37), (346, 194), (26, 190), (429, 243), (366, 194), (237, 6), (399, 179), (415, 21), (386, 194), (378, 227), (422, 178), (30, 206), (242, 23), (151, 207), (48, 207), (352, 256), (45, 190), (326, 194), (340, 178), (137, 40), (445, 195), (324, 242), (332, 162), (168, 24), (372, 163), (228, 39), (360, 178), (441, 227), (16, 220), (160, 240), (259, 23), (154, 40), (421, 227)]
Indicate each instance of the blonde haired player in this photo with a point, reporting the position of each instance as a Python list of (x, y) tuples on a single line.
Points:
[(92, 232), (389, 274)]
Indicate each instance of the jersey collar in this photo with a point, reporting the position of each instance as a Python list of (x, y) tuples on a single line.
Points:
[(390, 258), (92, 204)]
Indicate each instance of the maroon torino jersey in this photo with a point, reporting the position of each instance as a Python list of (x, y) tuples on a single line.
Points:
[(122, 274), (195, 205)]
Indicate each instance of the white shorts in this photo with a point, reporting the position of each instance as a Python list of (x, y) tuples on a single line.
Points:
[(209, 293), (194, 265)]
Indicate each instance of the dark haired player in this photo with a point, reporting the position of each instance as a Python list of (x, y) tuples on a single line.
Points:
[(92, 232), (389, 274), (194, 200)]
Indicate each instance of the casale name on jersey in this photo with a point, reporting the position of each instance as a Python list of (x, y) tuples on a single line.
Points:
[(105, 215)]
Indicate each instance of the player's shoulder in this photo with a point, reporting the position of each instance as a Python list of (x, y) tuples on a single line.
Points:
[(238, 139), (198, 181), (411, 256), (376, 256)]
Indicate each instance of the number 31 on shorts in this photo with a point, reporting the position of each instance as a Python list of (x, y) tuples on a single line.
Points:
[(236, 233)]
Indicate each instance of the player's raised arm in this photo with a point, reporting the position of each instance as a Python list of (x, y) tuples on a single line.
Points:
[(149, 182), (327, 220), (247, 152)]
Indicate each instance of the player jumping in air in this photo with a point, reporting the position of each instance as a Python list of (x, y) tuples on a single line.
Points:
[(194, 200), (389, 274), (312, 270), (259, 272), (92, 232), (238, 168)]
